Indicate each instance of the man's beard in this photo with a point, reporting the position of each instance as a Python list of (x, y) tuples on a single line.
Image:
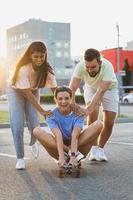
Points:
[(93, 74)]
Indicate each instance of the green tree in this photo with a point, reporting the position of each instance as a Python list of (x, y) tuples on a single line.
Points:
[(127, 77)]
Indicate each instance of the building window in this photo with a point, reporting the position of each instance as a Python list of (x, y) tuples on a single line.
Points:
[(58, 44), (66, 44), (66, 54), (24, 35), (21, 36), (58, 54)]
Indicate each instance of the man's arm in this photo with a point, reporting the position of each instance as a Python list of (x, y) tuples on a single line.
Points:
[(74, 85)]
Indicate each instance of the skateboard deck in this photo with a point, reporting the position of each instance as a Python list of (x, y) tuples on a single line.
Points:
[(69, 171)]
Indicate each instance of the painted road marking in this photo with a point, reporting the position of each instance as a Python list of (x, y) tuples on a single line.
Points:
[(122, 143), (12, 156), (27, 158)]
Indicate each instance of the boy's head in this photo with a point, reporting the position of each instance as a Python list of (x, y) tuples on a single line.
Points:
[(62, 89), (63, 96)]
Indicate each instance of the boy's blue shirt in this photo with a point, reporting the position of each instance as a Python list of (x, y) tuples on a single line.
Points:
[(65, 123)]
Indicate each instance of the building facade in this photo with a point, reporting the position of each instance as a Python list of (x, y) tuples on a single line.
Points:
[(55, 35), (129, 45), (125, 65), (112, 56)]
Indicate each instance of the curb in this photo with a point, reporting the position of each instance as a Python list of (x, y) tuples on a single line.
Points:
[(7, 125), (124, 120), (118, 120)]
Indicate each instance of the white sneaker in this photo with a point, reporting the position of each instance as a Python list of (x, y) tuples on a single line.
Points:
[(20, 164), (35, 150), (79, 156), (102, 155), (94, 154)]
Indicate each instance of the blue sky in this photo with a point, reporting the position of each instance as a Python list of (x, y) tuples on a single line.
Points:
[(93, 23)]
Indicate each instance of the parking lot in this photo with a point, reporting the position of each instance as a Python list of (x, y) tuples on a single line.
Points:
[(99, 181)]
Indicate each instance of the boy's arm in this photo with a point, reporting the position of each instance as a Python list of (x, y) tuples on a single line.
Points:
[(59, 140), (74, 145), (75, 137)]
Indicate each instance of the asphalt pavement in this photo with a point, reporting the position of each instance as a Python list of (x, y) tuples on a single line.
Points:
[(99, 181)]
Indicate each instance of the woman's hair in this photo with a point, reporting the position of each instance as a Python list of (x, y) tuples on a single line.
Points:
[(62, 89), (26, 59), (91, 54)]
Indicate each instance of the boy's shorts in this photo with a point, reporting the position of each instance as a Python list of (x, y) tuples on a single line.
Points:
[(109, 101)]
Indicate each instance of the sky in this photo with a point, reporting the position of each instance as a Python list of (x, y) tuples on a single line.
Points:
[(93, 22)]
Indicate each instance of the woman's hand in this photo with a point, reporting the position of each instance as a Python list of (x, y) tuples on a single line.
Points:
[(46, 113)]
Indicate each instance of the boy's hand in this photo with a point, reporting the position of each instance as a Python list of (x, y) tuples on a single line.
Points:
[(61, 161), (73, 161)]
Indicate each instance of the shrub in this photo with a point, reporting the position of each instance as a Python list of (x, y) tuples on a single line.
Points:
[(50, 99)]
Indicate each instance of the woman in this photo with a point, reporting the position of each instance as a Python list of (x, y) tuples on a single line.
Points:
[(32, 72)]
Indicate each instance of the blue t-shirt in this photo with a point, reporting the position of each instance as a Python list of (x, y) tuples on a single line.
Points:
[(65, 123)]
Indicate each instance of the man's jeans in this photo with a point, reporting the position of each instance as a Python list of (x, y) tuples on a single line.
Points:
[(20, 109)]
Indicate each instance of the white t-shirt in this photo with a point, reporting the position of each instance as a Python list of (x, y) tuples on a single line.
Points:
[(106, 74), (27, 78)]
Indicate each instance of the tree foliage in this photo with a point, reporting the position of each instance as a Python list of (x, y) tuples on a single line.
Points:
[(127, 77)]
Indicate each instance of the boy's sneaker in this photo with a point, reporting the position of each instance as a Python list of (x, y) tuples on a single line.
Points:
[(35, 150), (66, 156), (79, 156), (102, 155), (20, 164), (94, 154)]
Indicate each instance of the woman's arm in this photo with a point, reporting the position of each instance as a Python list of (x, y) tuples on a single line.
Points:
[(53, 89), (28, 95)]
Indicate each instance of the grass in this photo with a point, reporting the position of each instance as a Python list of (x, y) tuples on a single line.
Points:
[(4, 117)]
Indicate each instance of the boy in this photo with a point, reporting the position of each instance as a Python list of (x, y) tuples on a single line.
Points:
[(67, 131)]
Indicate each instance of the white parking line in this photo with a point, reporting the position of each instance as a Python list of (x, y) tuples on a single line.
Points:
[(123, 143), (12, 156)]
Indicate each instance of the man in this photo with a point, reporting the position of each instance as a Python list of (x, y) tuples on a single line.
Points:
[(100, 87), (66, 131)]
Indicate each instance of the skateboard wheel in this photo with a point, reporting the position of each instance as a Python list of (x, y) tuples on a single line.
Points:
[(61, 173)]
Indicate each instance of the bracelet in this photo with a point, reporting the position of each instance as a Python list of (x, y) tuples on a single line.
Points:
[(73, 154)]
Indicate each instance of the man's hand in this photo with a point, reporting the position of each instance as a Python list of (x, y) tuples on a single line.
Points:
[(78, 110), (74, 107)]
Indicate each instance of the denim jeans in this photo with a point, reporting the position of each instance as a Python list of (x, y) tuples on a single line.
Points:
[(21, 110)]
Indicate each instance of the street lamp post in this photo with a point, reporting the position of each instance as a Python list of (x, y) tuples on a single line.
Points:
[(118, 66)]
